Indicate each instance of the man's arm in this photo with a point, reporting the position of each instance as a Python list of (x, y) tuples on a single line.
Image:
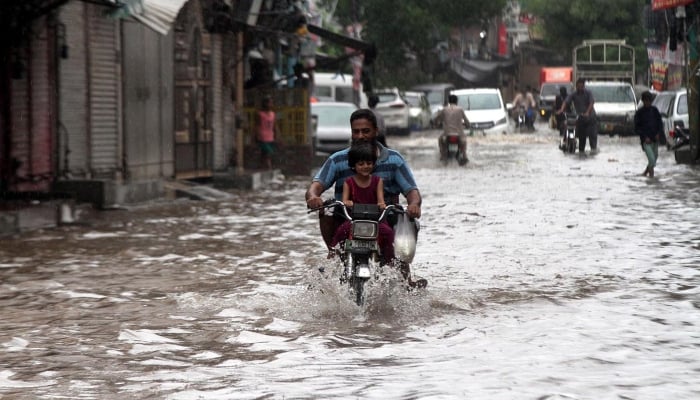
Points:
[(466, 122), (313, 195), (590, 104), (276, 129), (439, 117), (414, 200), (563, 104)]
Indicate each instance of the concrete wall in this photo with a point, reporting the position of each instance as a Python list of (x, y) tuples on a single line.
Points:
[(290, 159)]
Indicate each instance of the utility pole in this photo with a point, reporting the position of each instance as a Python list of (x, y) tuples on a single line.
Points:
[(239, 103)]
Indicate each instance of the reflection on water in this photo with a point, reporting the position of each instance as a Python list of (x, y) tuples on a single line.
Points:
[(551, 277)]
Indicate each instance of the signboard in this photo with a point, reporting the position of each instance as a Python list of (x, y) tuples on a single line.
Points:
[(502, 40), (663, 4)]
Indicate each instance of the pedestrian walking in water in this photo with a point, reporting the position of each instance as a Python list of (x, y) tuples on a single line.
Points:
[(649, 127)]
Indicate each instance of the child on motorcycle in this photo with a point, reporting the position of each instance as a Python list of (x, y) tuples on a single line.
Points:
[(365, 188)]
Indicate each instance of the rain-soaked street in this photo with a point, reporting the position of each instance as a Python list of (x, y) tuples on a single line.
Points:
[(551, 277)]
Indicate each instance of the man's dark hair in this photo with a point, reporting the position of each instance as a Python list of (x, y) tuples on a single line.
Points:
[(647, 96), (581, 80), (362, 151), (364, 113), (562, 90), (373, 100), (452, 99)]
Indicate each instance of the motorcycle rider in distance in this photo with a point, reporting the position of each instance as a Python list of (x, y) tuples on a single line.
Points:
[(525, 101), (453, 119), (390, 167), (561, 118)]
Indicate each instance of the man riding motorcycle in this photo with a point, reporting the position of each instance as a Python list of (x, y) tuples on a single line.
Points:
[(526, 102), (453, 120), (390, 166)]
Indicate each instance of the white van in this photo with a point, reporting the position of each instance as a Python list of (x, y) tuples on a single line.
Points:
[(333, 86), (615, 105)]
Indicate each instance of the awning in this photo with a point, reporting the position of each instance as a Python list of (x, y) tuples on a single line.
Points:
[(158, 15), (477, 71), (339, 39)]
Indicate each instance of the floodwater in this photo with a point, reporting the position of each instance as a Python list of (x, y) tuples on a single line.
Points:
[(551, 277)]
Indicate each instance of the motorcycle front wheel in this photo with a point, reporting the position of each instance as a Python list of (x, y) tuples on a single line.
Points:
[(358, 285)]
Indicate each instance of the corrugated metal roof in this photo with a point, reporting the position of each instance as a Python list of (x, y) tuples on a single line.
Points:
[(158, 15)]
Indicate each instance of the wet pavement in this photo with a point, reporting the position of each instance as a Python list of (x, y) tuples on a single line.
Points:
[(551, 277)]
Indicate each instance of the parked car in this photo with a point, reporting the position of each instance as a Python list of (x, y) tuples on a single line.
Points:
[(485, 109), (331, 121), (437, 96), (395, 110), (673, 106), (419, 110)]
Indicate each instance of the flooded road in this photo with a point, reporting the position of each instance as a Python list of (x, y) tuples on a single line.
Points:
[(551, 277)]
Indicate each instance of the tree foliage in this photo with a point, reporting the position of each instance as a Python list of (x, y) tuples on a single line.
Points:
[(566, 24), (407, 32)]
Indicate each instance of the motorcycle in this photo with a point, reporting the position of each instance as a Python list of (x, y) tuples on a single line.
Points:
[(524, 118), (360, 254), (452, 150), (680, 137), (569, 142)]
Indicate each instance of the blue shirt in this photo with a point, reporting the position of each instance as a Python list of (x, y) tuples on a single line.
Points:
[(390, 166)]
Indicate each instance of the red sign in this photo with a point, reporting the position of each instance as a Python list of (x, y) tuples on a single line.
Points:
[(502, 40), (663, 4), (527, 18)]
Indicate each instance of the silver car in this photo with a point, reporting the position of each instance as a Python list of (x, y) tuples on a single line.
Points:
[(673, 106), (331, 121), (418, 110)]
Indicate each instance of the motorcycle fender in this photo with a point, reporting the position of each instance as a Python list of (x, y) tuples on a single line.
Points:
[(363, 271)]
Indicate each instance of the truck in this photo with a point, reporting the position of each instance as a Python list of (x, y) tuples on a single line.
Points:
[(608, 68), (551, 79)]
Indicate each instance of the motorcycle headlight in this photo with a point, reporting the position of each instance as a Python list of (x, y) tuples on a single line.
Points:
[(364, 229)]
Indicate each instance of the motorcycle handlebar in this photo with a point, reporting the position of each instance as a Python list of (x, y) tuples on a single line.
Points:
[(333, 203)]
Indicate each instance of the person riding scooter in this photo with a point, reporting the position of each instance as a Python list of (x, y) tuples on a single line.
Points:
[(561, 117), (525, 102), (453, 120)]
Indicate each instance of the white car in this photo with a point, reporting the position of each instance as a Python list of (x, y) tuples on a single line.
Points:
[(673, 106), (418, 109), (395, 110), (485, 109), (331, 122)]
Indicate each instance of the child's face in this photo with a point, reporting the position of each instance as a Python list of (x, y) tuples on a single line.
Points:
[(364, 167)]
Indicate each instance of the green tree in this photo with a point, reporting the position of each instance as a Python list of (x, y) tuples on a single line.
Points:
[(406, 32), (565, 24)]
